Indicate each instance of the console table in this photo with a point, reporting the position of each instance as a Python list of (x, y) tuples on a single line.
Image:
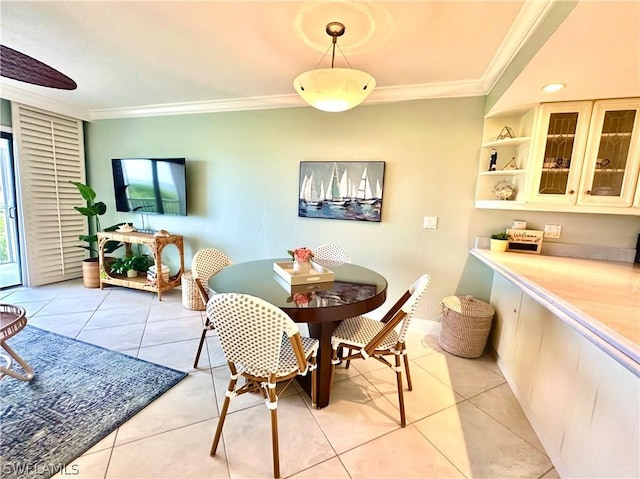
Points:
[(155, 244)]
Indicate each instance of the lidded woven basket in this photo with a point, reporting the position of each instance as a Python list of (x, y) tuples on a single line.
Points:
[(466, 323), (191, 298)]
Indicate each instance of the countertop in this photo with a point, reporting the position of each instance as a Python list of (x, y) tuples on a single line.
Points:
[(600, 299)]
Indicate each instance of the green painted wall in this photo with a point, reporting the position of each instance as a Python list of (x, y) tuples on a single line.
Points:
[(5, 112), (243, 187)]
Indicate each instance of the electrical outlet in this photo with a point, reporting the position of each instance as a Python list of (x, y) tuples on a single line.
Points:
[(430, 222), (552, 231)]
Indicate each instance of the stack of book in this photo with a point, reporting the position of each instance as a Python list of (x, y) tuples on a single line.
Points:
[(152, 274)]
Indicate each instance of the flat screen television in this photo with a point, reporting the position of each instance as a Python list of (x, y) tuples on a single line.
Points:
[(150, 185)]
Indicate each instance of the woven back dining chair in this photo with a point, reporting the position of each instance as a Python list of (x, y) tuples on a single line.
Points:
[(330, 255), (365, 338), (205, 264), (261, 343)]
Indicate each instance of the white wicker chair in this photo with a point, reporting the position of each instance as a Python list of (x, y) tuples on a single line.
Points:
[(205, 264), (365, 338), (261, 343), (330, 255)]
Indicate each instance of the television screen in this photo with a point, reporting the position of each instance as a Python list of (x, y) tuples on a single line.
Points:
[(150, 185)]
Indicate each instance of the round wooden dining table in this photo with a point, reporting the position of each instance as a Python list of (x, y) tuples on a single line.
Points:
[(354, 290)]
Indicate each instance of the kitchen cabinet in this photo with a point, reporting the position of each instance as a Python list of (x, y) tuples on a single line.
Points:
[(558, 152), (582, 403), (610, 173), (581, 157), (156, 244)]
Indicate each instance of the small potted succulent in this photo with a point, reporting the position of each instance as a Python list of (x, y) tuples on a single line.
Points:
[(499, 242)]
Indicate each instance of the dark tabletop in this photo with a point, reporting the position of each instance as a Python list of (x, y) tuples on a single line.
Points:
[(355, 289)]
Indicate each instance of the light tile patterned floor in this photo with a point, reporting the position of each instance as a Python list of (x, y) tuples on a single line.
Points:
[(463, 420)]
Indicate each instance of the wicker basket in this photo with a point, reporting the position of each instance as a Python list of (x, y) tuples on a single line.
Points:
[(465, 325), (191, 298)]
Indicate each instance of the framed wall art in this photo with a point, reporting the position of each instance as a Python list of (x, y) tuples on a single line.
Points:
[(341, 190)]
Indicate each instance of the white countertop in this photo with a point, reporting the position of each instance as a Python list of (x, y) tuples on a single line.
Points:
[(600, 299)]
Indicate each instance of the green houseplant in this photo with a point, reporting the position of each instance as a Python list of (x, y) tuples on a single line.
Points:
[(93, 210), (132, 264), (499, 242)]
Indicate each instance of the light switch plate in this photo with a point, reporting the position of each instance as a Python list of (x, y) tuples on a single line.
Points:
[(430, 222), (552, 231)]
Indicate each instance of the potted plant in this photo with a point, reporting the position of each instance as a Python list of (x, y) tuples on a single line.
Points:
[(93, 210), (499, 242), (130, 265)]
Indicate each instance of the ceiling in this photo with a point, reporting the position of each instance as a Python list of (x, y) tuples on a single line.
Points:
[(139, 58)]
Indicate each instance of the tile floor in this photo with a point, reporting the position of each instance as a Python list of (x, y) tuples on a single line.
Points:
[(463, 420)]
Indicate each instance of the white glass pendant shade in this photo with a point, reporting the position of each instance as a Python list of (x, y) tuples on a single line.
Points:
[(334, 89)]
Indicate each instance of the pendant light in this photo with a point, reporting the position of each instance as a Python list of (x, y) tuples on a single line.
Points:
[(334, 89)]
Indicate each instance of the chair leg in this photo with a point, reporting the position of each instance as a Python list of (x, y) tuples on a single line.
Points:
[(406, 369), (223, 415), (206, 328), (314, 392), (403, 420), (334, 362), (273, 406)]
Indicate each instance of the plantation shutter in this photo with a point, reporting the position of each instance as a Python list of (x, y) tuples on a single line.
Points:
[(50, 152)]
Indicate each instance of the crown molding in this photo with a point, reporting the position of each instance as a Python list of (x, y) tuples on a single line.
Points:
[(11, 93), (379, 95), (528, 20)]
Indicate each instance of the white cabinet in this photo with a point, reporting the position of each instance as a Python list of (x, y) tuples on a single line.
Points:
[(610, 173), (582, 403), (558, 152), (581, 157)]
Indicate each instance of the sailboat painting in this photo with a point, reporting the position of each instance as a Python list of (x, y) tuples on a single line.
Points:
[(341, 190)]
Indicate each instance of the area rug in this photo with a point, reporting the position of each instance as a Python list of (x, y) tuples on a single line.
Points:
[(80, 394)]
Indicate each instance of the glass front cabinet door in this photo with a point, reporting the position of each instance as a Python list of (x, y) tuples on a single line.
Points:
[(612, 161), (558, 152)]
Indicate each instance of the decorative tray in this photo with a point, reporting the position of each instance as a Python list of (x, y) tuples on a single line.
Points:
[(318, 274), (303, 288)]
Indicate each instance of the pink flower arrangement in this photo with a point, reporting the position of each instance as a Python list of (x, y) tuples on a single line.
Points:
[(301, 254)]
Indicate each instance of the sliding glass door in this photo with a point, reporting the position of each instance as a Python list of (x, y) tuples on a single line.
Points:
[(10, 269)]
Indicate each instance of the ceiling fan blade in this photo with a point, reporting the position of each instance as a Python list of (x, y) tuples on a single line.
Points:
[(21, 67)]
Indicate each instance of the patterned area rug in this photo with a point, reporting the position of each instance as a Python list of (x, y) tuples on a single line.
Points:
[(79, 395)]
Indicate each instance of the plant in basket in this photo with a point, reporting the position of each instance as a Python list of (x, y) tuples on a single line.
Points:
[(93, 210)]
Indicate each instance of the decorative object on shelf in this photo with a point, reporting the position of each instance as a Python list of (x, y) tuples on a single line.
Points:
[(505, 133), (525, 241), (504, 189), (519, 225), (493, 159), (563, 162), (341, 190), (334, 89), (602, 164), (161, 234), (126, 228), (301, 260), (499, 242), (511, 165), (93, 211), (130, 265)]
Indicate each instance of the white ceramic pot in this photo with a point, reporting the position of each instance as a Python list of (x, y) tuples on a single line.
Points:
[(302, 267), (132, 273)]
